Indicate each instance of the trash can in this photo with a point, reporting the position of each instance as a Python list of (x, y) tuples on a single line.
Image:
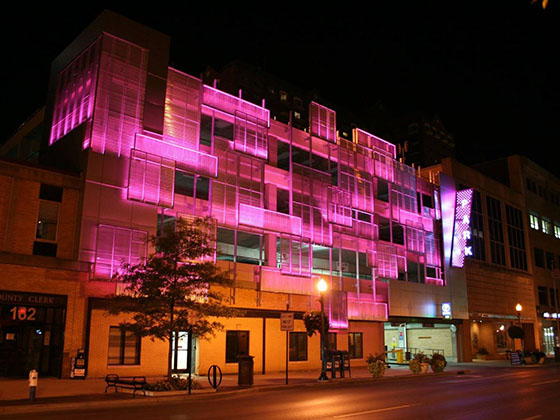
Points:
[(245, 370), (400, 358)]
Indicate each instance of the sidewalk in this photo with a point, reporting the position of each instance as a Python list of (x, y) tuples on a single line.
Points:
[(67, 394)]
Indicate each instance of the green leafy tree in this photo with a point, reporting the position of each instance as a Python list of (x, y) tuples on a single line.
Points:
[(177, 288)]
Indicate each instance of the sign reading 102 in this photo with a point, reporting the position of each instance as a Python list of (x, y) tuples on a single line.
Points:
[(23, 313)]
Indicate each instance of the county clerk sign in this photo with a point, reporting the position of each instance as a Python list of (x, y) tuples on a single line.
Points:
[(32, 299)]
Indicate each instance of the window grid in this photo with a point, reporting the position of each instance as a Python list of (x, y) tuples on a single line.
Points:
[(516, 236), (497, 248), (124, 347), (298, 347)]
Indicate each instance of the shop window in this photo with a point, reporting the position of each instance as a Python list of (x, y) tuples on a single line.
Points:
[(237, 344), (355, 345), (539, 257), (543, 296), (298, 346), (124, 347)]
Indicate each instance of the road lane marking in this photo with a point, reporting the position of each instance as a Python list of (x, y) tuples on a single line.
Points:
[(397, 407), (538, 416), (484, 378), (546, 382)]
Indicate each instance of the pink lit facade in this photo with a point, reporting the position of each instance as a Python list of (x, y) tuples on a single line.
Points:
[(155, 151)]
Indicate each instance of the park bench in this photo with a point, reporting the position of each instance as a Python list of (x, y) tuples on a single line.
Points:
[(137, 383)]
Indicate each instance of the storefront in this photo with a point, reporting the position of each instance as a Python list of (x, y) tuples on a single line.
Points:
[(424, 336), (31, 333)]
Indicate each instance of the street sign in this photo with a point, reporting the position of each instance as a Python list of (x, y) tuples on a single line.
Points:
[(286, 321)]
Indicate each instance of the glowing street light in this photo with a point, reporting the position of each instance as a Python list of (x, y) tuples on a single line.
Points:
[(519, 308), (322, 288)]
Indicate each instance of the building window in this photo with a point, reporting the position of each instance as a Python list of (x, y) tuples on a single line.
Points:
[(517, 250), (556, 231), (297, 115), (552, 297), (124, 347), (192, 185), (355, 345), (283, 95), (549, 260), (543, 297), (534, 221), (115, 246), (298, 346), (531, 185), (546, 226), (237, 344), (497, 248), (476, 242), (539, 257), (50, 198)]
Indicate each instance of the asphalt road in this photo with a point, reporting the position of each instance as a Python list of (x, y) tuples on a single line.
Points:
[(507, 393)]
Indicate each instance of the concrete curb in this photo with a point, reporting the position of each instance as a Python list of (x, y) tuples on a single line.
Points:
[(75, 405)]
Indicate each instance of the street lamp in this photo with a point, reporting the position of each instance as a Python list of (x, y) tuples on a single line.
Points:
[(322, 288), (519, 308)]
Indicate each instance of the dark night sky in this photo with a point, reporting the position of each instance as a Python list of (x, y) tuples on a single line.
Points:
[(488, 68)]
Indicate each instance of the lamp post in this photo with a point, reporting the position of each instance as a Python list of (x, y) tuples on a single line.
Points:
[(322, 287), (519, 308)]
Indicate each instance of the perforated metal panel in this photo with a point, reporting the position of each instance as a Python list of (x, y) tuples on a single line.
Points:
[(75, 93), (120, 96)]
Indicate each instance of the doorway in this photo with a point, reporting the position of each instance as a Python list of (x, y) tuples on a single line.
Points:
[(180, 356)]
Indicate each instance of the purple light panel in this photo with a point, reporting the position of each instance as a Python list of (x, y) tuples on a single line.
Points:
[(461, 230), (228, 103), (187, 159), (75, 94), (322, 121), (269, 220), (370, 141)]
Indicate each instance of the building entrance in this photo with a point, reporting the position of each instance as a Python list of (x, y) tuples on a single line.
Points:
[(31, 333), (180, 356)]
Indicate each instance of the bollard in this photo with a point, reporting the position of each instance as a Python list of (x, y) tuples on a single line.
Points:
[(33, 377)]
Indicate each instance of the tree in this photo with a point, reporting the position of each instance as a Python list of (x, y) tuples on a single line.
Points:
[(177, 288)]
